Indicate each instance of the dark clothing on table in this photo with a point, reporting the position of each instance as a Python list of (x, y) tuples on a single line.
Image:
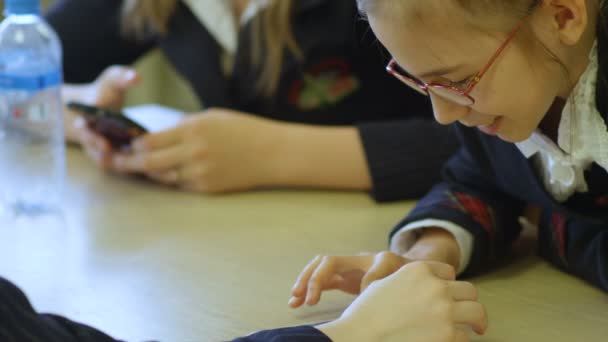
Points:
[(19, 322)]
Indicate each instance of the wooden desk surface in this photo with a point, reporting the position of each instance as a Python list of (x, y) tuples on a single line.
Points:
[(143, 262)]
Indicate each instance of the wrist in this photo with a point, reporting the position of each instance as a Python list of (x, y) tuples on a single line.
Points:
[(435, 244), (342, 330)]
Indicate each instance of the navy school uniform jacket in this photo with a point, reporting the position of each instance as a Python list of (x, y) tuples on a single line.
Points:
[(341, 81), (19, 322), (486, 186)]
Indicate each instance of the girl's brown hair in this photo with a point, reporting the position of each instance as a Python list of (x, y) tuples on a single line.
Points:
[(602, 44), (141, 17), (272, 34)]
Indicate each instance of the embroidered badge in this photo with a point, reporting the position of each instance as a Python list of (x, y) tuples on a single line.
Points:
[(324, 85)]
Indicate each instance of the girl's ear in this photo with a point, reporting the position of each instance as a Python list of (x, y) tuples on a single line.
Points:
[(568, 18)]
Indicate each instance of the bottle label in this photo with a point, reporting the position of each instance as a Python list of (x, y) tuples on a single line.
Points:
[(30, 83)]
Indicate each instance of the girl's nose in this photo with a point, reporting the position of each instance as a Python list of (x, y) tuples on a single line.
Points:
[(447, 112)]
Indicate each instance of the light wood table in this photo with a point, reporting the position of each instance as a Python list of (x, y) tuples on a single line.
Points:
[(144, 262)]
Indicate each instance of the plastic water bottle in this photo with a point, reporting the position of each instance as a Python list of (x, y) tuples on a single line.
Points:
[(32, 149)]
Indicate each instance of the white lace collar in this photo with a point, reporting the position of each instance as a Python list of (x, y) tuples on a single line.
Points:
[(582, 140)]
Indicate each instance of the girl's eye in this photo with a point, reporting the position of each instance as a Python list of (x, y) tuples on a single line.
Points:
[(461, 84)]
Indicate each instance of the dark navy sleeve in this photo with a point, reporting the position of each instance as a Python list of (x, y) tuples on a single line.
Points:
[(470, 197), (577, 246), (405, 156), (293, 334), (91, 37), (20, 323)]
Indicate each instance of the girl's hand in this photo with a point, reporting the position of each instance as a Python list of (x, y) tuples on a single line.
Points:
[(419, 302), (108, 90), (219, 150), (351, 274)]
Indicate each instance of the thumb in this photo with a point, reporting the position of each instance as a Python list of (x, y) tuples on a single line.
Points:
[(112, 85), (126, 79), (378, 271), (120, 77)]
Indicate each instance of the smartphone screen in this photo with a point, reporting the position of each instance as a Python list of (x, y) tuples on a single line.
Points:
[(118, 129)]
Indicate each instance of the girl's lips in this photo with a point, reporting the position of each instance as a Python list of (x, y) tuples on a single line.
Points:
[(492, 129)]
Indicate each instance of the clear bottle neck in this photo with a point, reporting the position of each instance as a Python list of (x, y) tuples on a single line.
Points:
[(20, 20), (23, 18)]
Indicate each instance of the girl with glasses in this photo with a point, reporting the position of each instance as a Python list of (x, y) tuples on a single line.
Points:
[(526, 84)]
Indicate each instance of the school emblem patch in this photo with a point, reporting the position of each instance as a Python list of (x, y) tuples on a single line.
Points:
[(324, 85)]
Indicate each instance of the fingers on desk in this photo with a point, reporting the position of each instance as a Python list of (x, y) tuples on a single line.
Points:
[(327, 273), (462, 290), (471, 313)]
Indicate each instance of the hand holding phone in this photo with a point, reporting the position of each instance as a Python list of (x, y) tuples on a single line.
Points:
[(117, 128)]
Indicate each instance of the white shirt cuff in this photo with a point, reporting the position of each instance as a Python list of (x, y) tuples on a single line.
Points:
[(406, 237)]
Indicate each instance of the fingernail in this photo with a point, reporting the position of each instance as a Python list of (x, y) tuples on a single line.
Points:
[(292, 300), (129, 75)]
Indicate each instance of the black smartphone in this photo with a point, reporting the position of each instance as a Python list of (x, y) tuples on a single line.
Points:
[(114, 126)]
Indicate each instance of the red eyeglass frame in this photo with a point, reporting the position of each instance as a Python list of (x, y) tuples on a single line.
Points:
[(467, 99)]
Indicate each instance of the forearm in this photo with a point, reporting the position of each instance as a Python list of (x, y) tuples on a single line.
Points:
[(435, 244), (317, 156)]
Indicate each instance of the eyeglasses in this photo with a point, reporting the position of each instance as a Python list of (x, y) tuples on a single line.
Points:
[(450, 93)]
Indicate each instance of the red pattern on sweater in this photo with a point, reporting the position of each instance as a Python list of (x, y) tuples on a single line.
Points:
[(558, 223), (477, 209)]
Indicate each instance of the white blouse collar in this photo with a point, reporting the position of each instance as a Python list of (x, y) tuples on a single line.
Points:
[(217, 17), (582, 139)]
